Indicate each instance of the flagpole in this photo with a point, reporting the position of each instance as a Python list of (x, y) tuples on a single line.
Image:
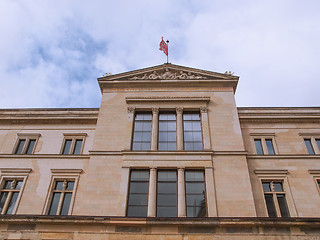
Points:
[(168, 51)]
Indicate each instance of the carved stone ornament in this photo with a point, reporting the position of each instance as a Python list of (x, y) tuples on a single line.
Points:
[(168, 75), (130, 109), (203, 109), (179, 110), (155, 110)]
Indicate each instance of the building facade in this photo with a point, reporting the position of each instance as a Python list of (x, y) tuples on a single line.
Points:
[(168, 155)]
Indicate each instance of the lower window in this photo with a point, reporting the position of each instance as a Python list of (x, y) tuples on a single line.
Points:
[(61, 197), (275, 198), (9, 194)]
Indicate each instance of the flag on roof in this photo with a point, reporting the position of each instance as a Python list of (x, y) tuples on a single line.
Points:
[(164, 47)]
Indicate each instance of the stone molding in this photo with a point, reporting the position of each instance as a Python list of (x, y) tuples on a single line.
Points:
[(271, 171), (66, 171), (166, 98), (15, 170)]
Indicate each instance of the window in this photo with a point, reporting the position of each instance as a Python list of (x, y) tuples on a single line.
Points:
[(61, 197), (62, 191), (195, 193), (26, 143), (275, 199), (192, 132), (167, 193), (309, 146), (265, 145), (9, 194), (138, 193), (142, 132), (167, 132), (73, 144)]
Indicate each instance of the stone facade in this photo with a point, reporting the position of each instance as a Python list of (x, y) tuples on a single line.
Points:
[(244, 151)]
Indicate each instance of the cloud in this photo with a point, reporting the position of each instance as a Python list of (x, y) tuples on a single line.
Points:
[(53, 51)]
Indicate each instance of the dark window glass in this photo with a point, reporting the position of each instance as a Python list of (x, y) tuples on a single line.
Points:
[(167, 193), (138, 193), (278, 187), (3, 198), (77, 147), (70, 185), (54, 204), (192, 132), (59, 185), (30, 146), (270, 146), (18, 185), (20, 146), (12, 202), (195, 193), (7, 184), (66, 203), (167, 140), (266, 187), (67, 146), (142, 132), (309, 146), (270, 205), (318, 143), (283, 205), (258, 145)]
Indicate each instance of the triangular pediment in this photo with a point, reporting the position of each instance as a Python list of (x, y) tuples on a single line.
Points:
[(168, 72)]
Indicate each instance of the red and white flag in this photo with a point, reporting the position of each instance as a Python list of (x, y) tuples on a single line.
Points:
[(164, 47)]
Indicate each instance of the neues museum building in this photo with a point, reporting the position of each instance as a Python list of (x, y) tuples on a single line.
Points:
[(167, 156)]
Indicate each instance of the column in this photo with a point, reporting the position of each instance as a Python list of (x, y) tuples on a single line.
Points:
[(205, 128), (152, 197), (179, 111), (211, 193), (155, 128), (131, 111), (181, 194)]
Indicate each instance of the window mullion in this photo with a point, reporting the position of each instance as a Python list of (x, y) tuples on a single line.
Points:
[(60, 203), (73, 142), (152, 197), (25, 146), (181, 193), (275, 200)]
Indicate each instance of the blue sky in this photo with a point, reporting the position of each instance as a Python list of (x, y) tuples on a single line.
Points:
[(52, 51)]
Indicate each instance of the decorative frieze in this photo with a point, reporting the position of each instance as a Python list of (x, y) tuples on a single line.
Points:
[(168, 75)]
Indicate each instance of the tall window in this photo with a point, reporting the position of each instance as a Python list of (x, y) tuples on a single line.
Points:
[(138, 193), (275, 198), (195, 193), (25, 146), (309, 146), (142, 132), (9, 193), (167, 132), (167, 193), (258, 144), (61, 197), (192, 132)]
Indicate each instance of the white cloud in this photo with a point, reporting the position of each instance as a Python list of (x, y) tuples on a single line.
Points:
[(53, 51)]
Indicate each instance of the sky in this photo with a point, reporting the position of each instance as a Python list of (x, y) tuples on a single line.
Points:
[(53, 51)]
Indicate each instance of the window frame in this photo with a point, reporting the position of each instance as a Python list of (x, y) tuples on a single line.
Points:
[(27, 137), (276, 175), (73, 137), (263, 137), (8, 174), (184, 131), (133, 128), (61, 175), (313, 137)]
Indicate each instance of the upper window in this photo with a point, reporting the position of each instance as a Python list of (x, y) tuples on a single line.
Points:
[(167, 131), (73, 144), (26, 144), (264, 145), (309, 146), (142, 132), (275, 198), (192, 132)]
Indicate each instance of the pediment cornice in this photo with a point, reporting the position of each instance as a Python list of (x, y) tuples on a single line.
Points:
[(168, 72)]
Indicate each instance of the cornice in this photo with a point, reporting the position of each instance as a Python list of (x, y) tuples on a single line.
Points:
[(49, 116), (166, 98), (44, 156), (283, 157)]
